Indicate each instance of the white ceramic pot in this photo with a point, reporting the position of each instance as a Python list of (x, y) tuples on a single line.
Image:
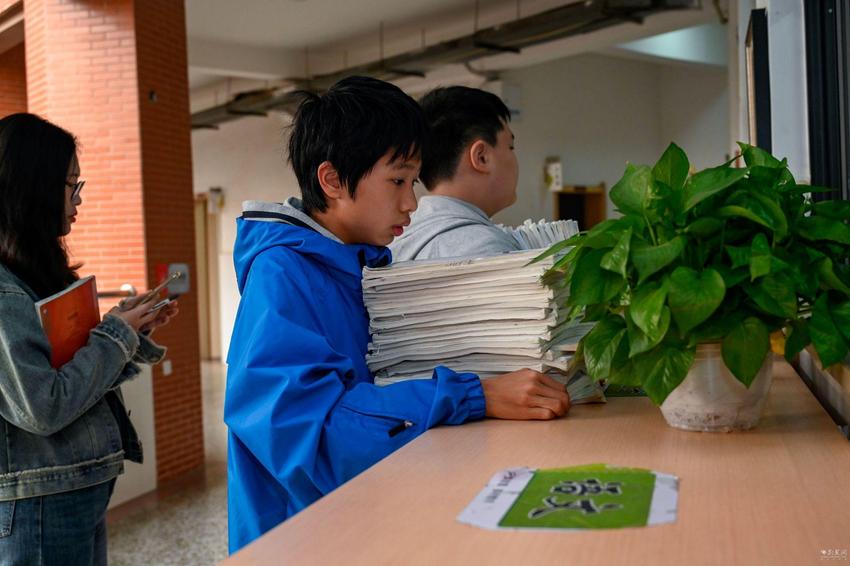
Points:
[(711, 399)]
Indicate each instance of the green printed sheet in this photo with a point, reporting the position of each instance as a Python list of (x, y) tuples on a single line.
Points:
[(596, 496)]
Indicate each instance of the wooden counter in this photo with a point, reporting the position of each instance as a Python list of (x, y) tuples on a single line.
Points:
[(779, 494)]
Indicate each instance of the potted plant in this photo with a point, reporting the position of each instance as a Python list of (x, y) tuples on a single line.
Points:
[(689, 284)]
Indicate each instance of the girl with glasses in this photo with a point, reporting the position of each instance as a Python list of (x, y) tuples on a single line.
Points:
[(64, 432)]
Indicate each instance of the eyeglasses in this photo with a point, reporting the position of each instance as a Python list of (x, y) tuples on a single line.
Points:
[(76, 188)]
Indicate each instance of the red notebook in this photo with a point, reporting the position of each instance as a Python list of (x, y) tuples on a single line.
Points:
[(68, 317)]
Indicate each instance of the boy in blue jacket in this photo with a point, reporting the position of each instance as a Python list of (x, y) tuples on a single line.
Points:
[(303, 413)]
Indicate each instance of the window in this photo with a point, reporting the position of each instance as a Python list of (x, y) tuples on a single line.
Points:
[(828, 69)]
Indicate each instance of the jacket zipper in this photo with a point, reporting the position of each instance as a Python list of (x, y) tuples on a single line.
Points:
[(400, 427)]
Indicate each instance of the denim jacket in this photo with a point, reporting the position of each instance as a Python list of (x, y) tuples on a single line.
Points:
[(59, 428)]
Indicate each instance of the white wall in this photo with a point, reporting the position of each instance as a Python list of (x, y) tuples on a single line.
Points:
[(594, 112), (704, 44), (597, 112), (138, 479), (694, 112), (247, 158)]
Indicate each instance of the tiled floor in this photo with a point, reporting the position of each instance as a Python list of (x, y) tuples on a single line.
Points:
[(185, 522)]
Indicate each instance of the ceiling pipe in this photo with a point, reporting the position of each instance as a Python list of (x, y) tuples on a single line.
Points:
[(571, 19)]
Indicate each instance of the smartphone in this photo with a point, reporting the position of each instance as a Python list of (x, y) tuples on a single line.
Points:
[(159, 305), (155, 291)]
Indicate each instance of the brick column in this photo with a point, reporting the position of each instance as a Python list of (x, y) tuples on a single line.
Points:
[(166, 129), (113, 72), (13, 81)]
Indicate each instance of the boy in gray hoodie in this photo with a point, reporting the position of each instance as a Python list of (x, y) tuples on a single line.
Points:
[(470, 171)]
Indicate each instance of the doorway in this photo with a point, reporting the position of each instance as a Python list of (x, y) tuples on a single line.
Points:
[(206, 250)]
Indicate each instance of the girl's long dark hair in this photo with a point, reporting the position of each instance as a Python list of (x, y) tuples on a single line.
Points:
[(34, 160)]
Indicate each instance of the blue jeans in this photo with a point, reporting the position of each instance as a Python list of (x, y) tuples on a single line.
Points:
[(65, 528)]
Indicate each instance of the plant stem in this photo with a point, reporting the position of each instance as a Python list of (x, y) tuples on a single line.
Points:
[(651, 233)]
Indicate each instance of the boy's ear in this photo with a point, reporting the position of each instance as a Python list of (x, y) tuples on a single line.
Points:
[(329, 181), (480, 156)]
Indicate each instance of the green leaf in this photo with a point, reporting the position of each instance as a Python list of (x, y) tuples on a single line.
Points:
[(600, 345), (745, 348), (607, 233), (647, 304), (704, 227), (616, 259), (759, 257), (816, 228), (794, 189), (672, 168), (639, 341), (814, 255), (777, 265), (795, 206), (663, 370), (710, 182), (754, 156), (651, 259), (806, 278), (739, 255), (634, 192), (798, 338), (590, 284), (569, 260), (622, 368), (694, 296), (733, 210), (558, 246), (828, 277), (732, 276), (775, 294), (767, 177), (835, 209), (595, 312), (828, 340), (767, 207), (841, 317), (717, 327)]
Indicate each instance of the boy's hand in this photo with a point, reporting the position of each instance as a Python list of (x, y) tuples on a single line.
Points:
[(525, 395)]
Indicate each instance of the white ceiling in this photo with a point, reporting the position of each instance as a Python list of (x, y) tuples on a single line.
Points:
[(273, 39), (294, 24), (265, 41)]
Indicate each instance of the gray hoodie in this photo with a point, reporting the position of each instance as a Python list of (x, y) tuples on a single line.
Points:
[(445, 227)]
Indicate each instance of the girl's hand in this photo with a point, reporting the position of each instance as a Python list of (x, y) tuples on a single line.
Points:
[(134, 312), (163, 317)]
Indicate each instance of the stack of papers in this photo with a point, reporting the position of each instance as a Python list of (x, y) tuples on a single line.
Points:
[(541, 234), (487, 316)]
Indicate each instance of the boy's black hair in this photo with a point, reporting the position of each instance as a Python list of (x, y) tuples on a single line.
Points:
[(352, 126), (457, 116)]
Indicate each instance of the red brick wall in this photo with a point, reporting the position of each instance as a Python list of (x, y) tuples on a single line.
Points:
[(91, 65), (163, 93), (81, 60), (8, 5), (13, 81)]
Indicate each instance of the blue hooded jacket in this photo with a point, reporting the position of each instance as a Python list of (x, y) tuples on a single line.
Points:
[(303, 413)]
